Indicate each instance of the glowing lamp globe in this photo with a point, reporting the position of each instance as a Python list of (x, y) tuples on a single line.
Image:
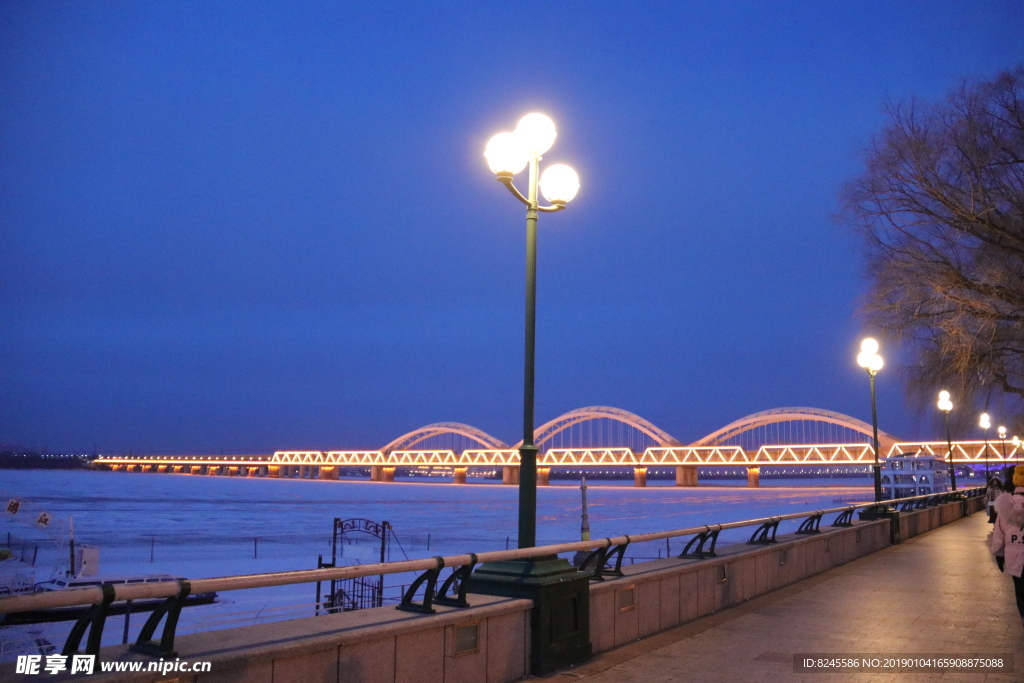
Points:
[(505, 154), (984, 421), (536, 133), (1002, 432), (943, 395), (871, 361), (559, 183), (1016, 441), (869, 346)]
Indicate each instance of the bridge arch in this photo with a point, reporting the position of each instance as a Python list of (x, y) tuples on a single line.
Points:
[(407, 441), (543, 434), (776, 415)]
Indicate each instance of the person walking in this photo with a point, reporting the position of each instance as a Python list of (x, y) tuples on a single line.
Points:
[(994, 490), (1008, 536)]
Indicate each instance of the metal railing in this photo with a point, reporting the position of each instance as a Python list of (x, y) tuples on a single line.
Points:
[(603, 552)]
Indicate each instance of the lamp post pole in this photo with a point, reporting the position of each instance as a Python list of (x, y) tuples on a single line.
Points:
[(508, 154), (1002, 438), (949, 440), (872, 362), (528, 451), (985, 422), (946, 405), (874, 430), (559, 620)]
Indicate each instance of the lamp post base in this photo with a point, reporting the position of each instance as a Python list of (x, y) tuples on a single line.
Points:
[(560, 619)]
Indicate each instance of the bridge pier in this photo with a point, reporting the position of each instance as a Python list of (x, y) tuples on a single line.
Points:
[(460, 475), (686, 475), (387, 474), (543, 476), (510, 475), (274, 471), (376, 473), (753, 477), (212, 470), (329, 473), (303, 471), (640, 476)]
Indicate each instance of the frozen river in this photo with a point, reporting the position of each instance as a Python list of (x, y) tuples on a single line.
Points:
[(194, 526)]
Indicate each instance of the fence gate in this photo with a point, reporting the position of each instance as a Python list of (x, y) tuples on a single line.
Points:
[(345, 595)]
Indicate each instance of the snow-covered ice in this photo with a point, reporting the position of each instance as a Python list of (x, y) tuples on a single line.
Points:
[(201, 526)]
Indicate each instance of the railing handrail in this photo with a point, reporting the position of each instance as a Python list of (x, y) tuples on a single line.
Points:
[(165, 589)]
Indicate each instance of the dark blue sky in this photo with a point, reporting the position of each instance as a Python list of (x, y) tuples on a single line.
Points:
[(253, 225)]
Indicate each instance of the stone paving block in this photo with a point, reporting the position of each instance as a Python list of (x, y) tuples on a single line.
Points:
[(317, 667), (468, 665), (602, 620), (627, 615), (370, 662), (668, 602), (506, 647), (648, 595), (419, 657), (706, 591), (689, 603)]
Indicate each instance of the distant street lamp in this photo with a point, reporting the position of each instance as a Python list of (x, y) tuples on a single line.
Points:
[(1001, 430), (508, 154), (869, 359), (985, 422), (946, 405)]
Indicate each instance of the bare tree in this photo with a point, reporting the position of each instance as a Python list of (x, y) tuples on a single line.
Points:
[(941, 205)]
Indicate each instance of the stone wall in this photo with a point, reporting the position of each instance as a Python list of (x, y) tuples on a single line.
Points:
[(917, 522), (661, 594), (486, 643)]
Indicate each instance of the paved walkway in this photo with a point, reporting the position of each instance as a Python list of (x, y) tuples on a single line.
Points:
[(937, 593)]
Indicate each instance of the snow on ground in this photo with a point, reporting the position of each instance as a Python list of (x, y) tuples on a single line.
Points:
[(197, 526)]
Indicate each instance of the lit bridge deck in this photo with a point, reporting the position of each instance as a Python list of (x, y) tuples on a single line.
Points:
[(964, 452), (629, 441)]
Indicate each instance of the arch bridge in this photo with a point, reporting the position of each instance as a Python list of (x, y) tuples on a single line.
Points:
[(626, 440)]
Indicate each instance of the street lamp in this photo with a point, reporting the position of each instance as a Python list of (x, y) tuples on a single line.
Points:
[(869, 359), (508, 154), (946, 405), (1016, 447), (560, 594), (1001, 430), (985, 422)]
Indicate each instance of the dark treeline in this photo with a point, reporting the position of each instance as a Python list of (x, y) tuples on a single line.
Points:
[(28, 460)]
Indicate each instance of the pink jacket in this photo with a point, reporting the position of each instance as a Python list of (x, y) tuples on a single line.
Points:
[(1008, 536)]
